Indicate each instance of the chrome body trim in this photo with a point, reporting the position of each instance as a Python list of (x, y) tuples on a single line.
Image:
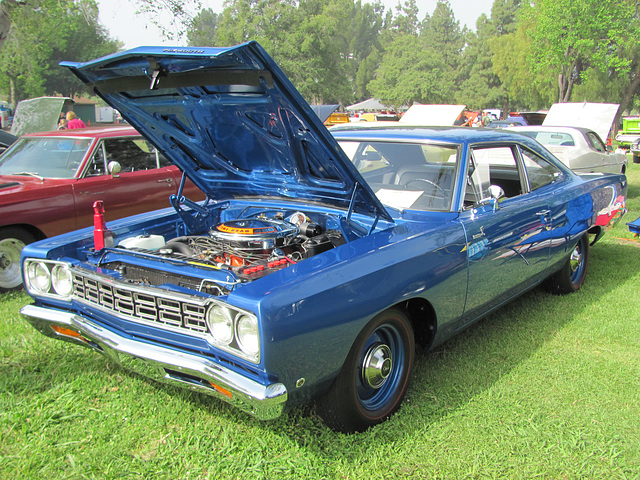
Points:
[(163, 364)]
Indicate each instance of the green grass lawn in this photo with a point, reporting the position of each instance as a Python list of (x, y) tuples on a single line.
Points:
[(547, 387)]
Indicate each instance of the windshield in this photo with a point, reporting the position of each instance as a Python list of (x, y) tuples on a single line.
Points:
[(48, 157), (407, 175)]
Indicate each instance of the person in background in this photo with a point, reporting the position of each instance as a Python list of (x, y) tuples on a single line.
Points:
[(73, 122), (62, 124)]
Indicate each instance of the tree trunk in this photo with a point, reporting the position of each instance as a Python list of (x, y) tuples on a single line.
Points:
[(12, 93), (5, 20), (628, 97)]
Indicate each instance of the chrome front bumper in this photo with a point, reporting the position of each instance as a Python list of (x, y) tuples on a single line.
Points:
[(161, 363)]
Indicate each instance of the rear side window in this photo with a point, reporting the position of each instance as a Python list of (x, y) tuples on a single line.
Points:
[(595, 142), (539, 171)]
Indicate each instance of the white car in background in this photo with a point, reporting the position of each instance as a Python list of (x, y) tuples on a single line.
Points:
[(580, 149), (573, 132)]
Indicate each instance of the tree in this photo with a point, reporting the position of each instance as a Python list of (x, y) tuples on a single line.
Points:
[(525, 86), (571, 36), (84, 40), (319, 44), (40, 37), (481, 87), (420, 66), (203, 27)]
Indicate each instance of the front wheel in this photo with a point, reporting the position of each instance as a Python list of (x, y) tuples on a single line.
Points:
[(12, 241), (374, 377), (571, 276), (636, 158)]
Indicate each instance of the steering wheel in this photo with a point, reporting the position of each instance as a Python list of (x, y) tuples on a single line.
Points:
[(433, 184)]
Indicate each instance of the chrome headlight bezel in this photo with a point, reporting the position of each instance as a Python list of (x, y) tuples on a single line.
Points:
[(248, 334), (48, 278), (62, 280), (220, 324), (233, 343)]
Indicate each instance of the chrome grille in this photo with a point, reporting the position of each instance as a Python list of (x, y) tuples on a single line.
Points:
[(178, 313)]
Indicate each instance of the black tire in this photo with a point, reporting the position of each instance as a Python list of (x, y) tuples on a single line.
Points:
[(12, 241), (636, 158), (362, 397), (571, 276)]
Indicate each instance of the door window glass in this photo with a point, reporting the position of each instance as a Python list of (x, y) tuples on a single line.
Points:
[(133, 154), (492, 166)]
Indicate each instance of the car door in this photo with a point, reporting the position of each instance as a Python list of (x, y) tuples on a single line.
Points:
[(140, 186), (508, 241)]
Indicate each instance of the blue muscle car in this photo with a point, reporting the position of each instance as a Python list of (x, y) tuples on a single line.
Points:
[(319, 260)]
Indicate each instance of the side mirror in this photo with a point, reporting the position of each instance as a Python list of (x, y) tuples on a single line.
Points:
[(495, 192), (114, 168)]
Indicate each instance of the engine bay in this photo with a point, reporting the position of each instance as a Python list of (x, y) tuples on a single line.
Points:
[(251, 246), (254, 247)]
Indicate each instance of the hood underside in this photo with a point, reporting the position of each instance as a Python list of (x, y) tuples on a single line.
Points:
[(232, 121)]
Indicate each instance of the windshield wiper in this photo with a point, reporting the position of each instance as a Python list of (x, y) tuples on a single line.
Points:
[(31, 174)]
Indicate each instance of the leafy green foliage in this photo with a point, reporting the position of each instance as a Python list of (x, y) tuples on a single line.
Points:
[(42, 33), (570, 36), (524, 56)]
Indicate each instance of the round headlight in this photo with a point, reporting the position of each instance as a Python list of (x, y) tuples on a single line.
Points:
[(220, 324), (247, 332), (61, 280), (39, 277)]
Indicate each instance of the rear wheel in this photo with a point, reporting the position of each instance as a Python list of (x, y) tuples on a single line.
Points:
[(12, 241), (571, 276), (374, 377)]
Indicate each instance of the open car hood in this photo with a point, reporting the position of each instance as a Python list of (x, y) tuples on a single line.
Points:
[(232, 121), (594, 116), (432, 115)]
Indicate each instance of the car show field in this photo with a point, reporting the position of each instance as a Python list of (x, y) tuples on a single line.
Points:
[(319, 240), (546, 386)]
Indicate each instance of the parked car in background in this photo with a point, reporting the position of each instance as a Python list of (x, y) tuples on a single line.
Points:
[(318, 262), (580, 149), (635, 150), (509, 122), (329, 116), (629, 137), (531, 118), (49, 181), (6, 140)]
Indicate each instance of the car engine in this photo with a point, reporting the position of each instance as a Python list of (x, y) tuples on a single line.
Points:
[(252, 246)]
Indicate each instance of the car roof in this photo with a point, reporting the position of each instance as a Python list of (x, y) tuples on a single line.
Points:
[(416, 133), (551, 128), (101, 132)]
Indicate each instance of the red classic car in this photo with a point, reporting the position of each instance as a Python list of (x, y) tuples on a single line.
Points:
[(49, 182)]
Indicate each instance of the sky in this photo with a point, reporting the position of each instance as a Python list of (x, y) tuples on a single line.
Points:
[(120, 18)]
